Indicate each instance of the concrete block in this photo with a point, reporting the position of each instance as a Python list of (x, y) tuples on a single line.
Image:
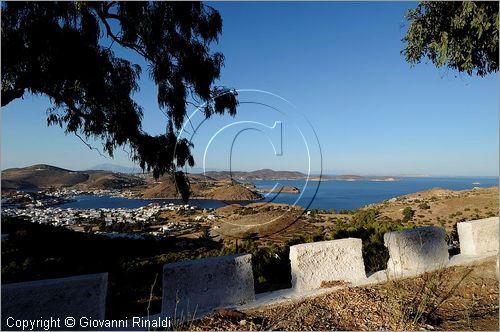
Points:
[(200, 286), (478, 237), (337, 260), (79, 296), (417, 250)]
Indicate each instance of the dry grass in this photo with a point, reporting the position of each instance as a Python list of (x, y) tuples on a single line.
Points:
[(457, 298), (446, 207)]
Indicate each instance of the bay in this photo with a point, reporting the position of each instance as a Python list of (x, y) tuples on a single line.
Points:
[(110, 202), (326, 195)]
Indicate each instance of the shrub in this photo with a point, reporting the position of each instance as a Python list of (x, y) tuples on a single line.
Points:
[(370, 228), (408, 214), (424, 206)]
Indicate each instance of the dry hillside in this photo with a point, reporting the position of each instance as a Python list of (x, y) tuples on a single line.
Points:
[(40, 176), (442, 207), (200, 188), (45, 176)]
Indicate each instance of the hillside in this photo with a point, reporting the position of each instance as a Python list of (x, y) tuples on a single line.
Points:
[(42, 176), (443, 207), (109, 180), (200, 188), (233, 192)]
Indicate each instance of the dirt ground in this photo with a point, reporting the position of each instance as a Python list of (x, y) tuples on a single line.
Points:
[(456, 298)]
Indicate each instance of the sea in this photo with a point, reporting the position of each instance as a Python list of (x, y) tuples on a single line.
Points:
[(325, 194)]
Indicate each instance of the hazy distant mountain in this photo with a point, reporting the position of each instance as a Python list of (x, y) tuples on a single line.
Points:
[(269, 174), (262, 174), (115, 168)]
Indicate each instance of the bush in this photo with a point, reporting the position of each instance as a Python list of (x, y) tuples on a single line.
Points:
[(271, 265), (424, 206), (408, 214), (370, 228)]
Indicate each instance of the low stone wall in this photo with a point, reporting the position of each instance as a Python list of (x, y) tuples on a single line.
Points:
[(417, 250), (202, 285), (193, 288), (79, 296), (326, 261), (478, 237)]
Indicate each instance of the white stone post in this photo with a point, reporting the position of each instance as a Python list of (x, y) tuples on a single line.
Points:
[(326, 261), (413, 251), (478, 237), (199, 286)]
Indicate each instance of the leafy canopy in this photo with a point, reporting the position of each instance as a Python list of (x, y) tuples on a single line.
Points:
[(64, 50), (461, 35)]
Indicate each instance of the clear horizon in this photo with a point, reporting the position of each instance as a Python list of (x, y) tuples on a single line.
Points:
[(372, 113)]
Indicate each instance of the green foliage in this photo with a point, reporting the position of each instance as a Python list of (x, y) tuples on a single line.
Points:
[(424, 206), (57, 49), (271, 265), (368, 226), (408, 214), (463, 35)]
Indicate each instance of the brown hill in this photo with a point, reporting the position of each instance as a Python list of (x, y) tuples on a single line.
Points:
[(45, 176), (222, 190), (233, 192), (40, 176), (108, 180), (442, 207), (164, 188)]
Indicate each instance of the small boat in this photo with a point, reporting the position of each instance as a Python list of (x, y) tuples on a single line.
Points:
[(476, 183)]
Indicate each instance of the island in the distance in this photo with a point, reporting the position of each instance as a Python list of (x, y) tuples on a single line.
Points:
[(218, 185)]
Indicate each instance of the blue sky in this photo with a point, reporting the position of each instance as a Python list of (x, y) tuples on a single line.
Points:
[(339, 67)]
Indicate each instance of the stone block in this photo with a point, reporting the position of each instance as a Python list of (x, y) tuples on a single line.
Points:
[(78, 296), (478, 237), (417, 250), (200, 286), (326, 261)]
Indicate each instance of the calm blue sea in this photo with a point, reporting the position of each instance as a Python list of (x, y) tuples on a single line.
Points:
[(339, 194), (327, 195)]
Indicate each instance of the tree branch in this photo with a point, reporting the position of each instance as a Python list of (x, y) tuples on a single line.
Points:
[(104, 16), (88, 145)]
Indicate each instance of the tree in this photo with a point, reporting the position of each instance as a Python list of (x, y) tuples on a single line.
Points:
[(408, 213), (65, 50), (460, 35)]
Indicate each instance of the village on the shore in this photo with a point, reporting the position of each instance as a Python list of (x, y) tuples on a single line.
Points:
[(42, 207)]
